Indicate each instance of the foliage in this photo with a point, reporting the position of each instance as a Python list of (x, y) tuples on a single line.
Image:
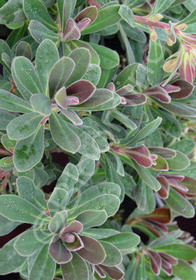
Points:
[(124, 120)]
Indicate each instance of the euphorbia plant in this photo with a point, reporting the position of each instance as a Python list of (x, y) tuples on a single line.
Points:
[(122, 119)]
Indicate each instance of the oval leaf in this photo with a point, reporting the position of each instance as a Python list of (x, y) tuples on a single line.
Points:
[(29, 152)]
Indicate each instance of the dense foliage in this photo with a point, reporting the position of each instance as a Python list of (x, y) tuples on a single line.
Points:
[(125, 120)]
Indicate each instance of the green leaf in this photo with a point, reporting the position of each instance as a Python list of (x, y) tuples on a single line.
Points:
[(41, 104), (113, 255), (10, 260), (74, 44), (75, 269), (18, 209), (89, 148), (6, 163), (57, 223), (35, 10), (186, 146), (125, 241), (108, 58), (26, 189), (99, 139), (123, 119), (23, 126), (100, 233), (4, 48), (180, 204), (106, 17), (179, 162), (92, 218), (109, 202), (169, 123), (126, 14), (147, 177), (12, 13), (63, 135), (44, 267), (95, 191), (86, 168), (184, 271), (126, 76), (6, 226), (25, 77), (134, 33), (180, 251), (133, 3), (161, 6), (145, 131), (41, 177), (68, 178), (66, 9), (16, 35), (81, 57), (168, 239), (46, 56), (11, 102), (37, 239), (59, 74), (24, 49), (64, 189), (5, 119), (93, 74), (58, 201), (190, 19), (29, 152), (40, 32), (179, 108), (155, 62)]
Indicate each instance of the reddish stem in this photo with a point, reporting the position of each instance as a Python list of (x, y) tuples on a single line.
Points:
[(150, 23)]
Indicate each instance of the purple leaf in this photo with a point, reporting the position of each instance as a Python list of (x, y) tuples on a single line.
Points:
[(72, 32), (178, 178), (160, 215), (171, 88), (174, 183), (155, 261), (125, 89), (167, 267), (83, 23), (113, 272), (111, 86), (168, 270), (89, 12), (158, 93), (163, 152), (134, 99), (73, 227), (82, 90), (186, 89), (157, 225), (93, 251), (164, 190), (150, 228), (99, 271), (58, 251), (141, 155), (170, 259), (77, 243)]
